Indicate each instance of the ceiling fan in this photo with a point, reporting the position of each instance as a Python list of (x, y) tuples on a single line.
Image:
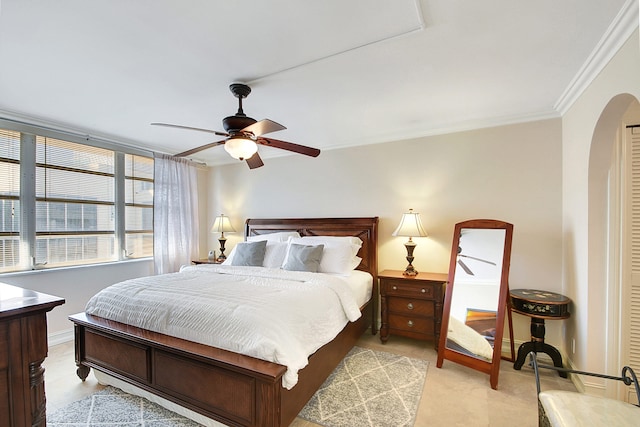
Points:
[(243, 134), (464, 266)]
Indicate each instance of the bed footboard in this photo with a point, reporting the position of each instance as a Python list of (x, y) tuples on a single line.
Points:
[(232, 388), (225, 386)]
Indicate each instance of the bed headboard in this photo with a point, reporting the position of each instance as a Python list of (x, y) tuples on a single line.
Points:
[(364, 228)]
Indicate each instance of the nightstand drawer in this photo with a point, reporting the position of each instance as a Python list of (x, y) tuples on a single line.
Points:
[(417, 325), (411, 307), (402, 288)]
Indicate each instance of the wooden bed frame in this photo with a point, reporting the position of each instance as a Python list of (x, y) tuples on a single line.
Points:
[(231, 388)]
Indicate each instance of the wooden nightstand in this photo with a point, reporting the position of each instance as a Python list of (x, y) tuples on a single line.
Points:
[(411, 305)]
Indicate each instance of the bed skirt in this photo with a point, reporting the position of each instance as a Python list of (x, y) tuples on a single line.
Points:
[(108, 380)]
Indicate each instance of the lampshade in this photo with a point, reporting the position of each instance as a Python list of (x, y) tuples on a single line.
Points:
[(222, 224), (410, 225), (240, 148)]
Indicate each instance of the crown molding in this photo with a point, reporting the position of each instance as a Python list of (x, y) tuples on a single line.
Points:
[(462, 126), (622, 27), (26, 123)]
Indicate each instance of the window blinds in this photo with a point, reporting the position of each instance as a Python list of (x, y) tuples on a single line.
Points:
[(75, 205), (9, 200)]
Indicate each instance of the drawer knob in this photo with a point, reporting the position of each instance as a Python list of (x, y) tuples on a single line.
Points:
[(410, 306), (424, 290), (410, 323), (395, 288)]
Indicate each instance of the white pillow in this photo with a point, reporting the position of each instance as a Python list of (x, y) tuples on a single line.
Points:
[(230, 256), (338, 255), (337, 240), (355, 262), (280, 236), (276, 252)]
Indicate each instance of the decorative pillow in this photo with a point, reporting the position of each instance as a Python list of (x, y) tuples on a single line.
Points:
[(303, 258), (275, 254), (249, 254), (280, 236), (339, 254)]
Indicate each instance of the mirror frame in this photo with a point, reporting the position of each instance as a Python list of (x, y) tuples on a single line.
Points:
[(489, 367)]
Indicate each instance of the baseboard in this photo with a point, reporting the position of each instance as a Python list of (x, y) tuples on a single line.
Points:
[(543, 358), (60, 337)]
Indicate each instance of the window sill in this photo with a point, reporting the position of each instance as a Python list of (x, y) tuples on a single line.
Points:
[(75, 267)]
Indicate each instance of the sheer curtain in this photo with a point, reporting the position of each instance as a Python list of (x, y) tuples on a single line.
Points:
[(175, 222)]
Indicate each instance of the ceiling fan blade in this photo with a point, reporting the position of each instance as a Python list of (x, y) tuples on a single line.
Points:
[(264, 126), (479, 259), (198, 149), (191, 128), (289, 146), (465, 268), (255, 161)]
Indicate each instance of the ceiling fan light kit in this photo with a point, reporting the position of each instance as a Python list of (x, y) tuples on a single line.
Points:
[(240, 148), (243, 134)]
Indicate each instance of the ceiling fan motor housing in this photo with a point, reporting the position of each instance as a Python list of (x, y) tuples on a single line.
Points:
[(233, 124)]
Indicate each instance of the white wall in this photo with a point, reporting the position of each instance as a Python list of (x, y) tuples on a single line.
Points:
[(76, 285), (588, 138), (511, 173)]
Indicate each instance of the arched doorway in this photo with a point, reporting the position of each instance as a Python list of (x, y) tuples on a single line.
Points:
[(608, 230)]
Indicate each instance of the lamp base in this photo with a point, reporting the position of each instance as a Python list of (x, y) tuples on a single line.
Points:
[(410, 271), (222, 256)]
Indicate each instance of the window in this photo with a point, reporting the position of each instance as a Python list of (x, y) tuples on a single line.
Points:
[(91, 204), (9, 200), (138, 187), (75, 203)]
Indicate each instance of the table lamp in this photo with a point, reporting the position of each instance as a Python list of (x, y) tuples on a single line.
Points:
[(221, 225), (410, 226)]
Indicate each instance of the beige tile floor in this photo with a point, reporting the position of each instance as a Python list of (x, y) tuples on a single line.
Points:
[(453, 395)]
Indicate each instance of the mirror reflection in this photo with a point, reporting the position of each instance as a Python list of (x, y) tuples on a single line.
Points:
[(476, 292), (475, 302)]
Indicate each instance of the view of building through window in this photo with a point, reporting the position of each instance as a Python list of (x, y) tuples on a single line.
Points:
[(75, 203), (91, 204)]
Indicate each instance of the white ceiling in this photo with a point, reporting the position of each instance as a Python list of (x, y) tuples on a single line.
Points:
[(335, 72)]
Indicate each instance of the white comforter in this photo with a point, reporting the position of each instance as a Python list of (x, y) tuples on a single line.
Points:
[(275, 315)]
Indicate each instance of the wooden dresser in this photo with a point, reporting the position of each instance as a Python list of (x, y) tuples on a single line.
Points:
[(23, 348), (411, 306)]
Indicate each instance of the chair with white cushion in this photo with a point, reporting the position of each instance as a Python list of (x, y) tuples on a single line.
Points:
[(559, 408)]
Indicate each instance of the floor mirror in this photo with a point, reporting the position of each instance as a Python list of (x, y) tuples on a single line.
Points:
[(476, 299)]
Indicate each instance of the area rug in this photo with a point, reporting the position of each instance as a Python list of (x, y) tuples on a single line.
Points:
[(368, 388), (111, 407)]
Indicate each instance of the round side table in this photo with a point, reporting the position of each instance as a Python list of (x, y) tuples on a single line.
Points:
[(539, 305)]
